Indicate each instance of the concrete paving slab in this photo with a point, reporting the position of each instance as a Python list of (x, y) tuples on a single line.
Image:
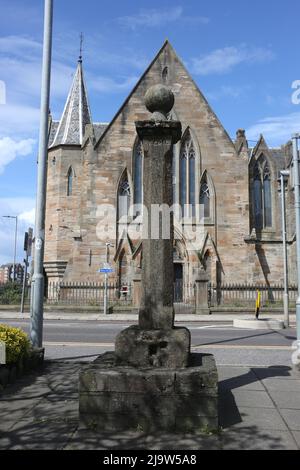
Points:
[(250, 438), (238, 378), (261, 419), (85, 440), (296, 435), (38, 435), (287, 399), (252, 399), (56, 406), (284, 372), (281, 385), (292, 418)]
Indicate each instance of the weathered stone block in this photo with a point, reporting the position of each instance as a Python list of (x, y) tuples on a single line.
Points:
[(127, 381), (117, 398), (153, 348)]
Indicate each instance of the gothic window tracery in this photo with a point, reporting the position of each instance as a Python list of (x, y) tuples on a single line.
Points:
[(124, 196), (262, 194), (187, 178)]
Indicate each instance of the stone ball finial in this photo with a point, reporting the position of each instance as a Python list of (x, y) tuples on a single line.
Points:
[(240, 133), (159, 100)]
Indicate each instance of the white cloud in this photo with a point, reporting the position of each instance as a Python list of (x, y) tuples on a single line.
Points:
[(224, 60), (11, 149), (104, 84), (152, 18), (28, 217), (228, 91), (18, 120), (277, 129)]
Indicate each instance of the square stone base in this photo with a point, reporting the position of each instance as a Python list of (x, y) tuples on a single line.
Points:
[(113, 398), (169, 349)]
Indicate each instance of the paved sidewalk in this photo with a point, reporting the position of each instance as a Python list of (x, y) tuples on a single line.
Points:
[(133, 317), (259, 409)]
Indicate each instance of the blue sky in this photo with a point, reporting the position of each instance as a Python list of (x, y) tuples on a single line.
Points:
[(243, 56)]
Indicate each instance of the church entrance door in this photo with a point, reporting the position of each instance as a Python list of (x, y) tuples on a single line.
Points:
[(178, 283)]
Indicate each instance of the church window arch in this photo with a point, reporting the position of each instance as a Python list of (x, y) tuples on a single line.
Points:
[(207, 199), (70, 180), (187, 175), (124, 197), (262, 194)]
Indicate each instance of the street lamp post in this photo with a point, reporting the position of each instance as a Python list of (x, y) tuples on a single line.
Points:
[(297, 208), (16, 238), (37, 303), (283, 176)]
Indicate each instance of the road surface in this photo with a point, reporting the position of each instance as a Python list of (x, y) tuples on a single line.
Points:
[(83, 341)]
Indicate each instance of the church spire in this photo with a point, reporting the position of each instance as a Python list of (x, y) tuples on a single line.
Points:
[(77, 113)]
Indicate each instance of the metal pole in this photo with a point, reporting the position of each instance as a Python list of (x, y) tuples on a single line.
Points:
[(297, 208), (105, 294), (24, 283), (285, 259), (106, 279), (15, 250), (36, 327)]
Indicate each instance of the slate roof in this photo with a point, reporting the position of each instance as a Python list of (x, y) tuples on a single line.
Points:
[(76, 115), (53, 130), (99, 129)]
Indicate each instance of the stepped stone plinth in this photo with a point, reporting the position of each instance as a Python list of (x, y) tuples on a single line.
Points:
[(152, 381)]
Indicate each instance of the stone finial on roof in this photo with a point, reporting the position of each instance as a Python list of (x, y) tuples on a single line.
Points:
[(241, 143)]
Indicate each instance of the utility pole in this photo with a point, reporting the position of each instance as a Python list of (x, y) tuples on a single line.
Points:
[(297, 208), (16, 238), (283, 176), (27, 249), (37, 304)]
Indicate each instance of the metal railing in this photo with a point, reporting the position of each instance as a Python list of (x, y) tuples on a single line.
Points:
[(242, 294), (87, 294)]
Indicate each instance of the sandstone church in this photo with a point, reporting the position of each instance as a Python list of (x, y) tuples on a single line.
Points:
[(91, 164)]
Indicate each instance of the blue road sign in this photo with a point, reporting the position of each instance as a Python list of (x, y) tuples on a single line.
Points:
[(105, 271)]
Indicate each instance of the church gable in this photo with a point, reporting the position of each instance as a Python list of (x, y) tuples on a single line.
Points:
[(191, 107)]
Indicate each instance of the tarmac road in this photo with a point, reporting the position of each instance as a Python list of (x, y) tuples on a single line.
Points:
[(80, 340)]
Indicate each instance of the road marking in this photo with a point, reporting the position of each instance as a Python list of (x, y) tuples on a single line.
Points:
[(212, 326), (242, 346), (204, 346), (78, 345)]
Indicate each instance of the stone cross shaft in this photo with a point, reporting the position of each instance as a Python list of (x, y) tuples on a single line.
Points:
[(158, 138)]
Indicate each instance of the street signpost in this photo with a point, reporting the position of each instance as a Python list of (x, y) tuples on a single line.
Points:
[(106, 269)]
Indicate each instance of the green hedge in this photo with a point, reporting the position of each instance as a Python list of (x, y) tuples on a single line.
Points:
[(16, 342), (10, 293)]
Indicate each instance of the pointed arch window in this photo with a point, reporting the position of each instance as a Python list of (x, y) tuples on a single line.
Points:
[(122, 270), (124, 198), (262, 194), (70, 177), (205, 199), (138, 174), (187, 177)]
